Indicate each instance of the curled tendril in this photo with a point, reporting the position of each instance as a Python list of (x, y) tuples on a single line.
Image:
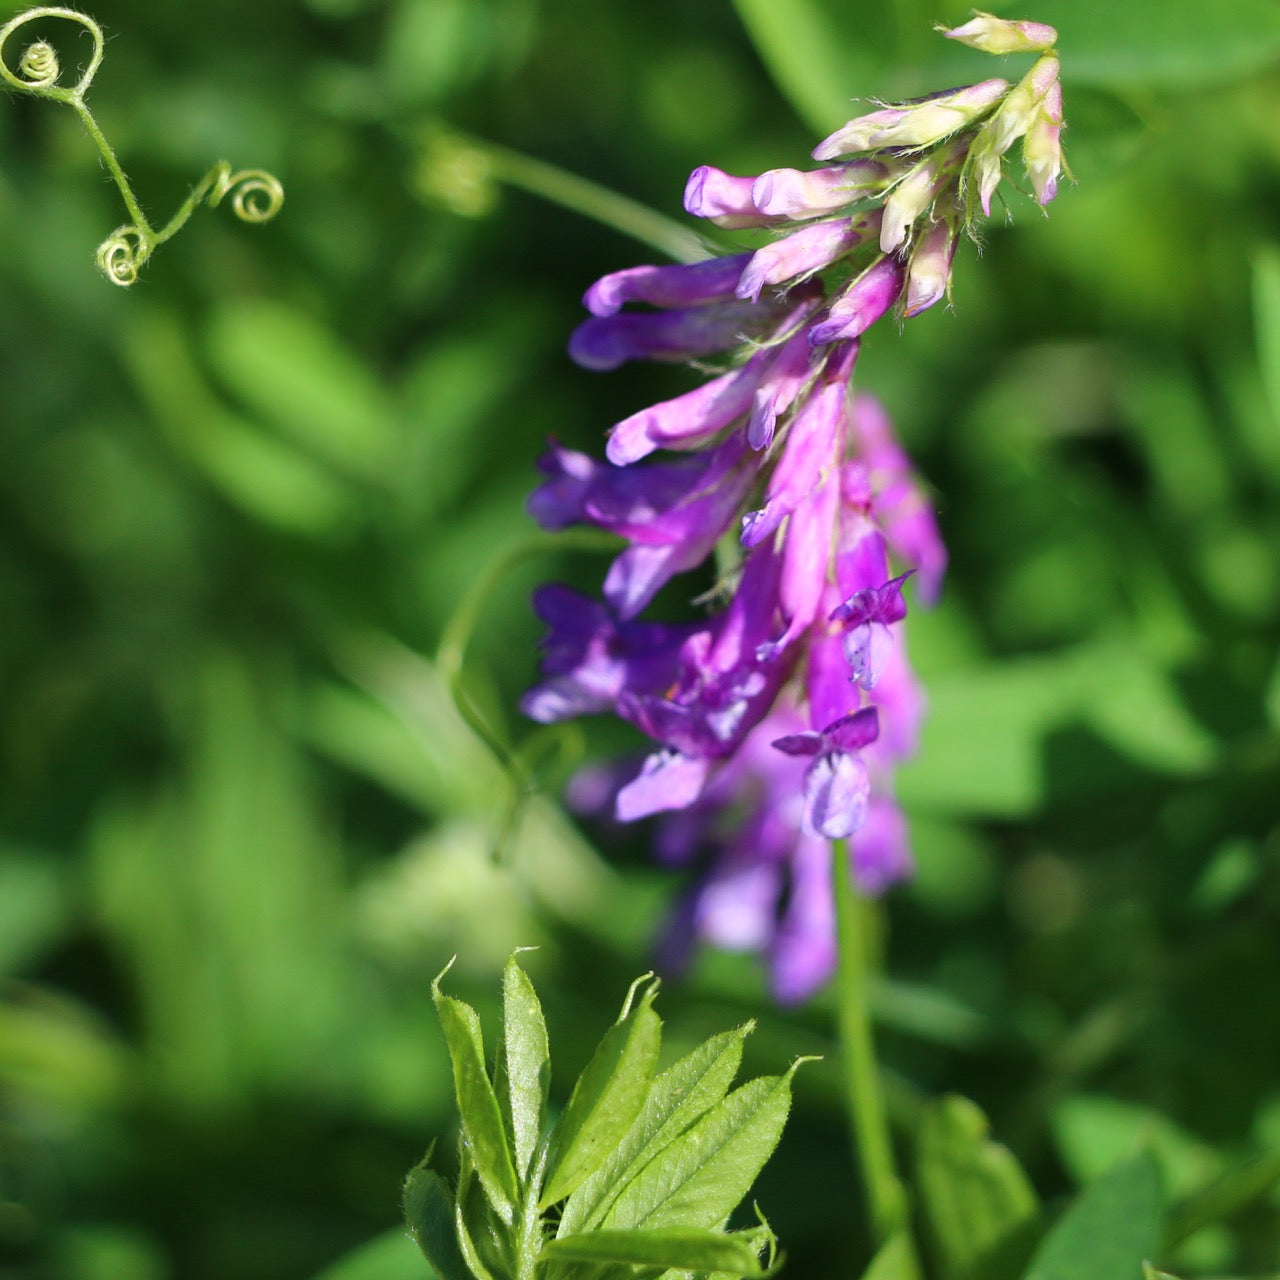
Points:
[(121, 255), (39, 66), (256, 195)]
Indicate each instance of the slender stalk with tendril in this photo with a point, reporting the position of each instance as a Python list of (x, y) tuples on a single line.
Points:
[(256, 195)]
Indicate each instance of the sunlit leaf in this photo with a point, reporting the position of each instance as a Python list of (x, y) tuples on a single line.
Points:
[(526, 1063), (677, 1098), (607, 1096), (482, 1125), (698, 1179), (682, 1248)]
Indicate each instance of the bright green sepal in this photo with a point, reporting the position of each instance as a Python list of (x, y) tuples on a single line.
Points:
[(682, 1248), (976, 1200), (700, 1177), (607, 1097), (482, 1125), (679, 1097), (1109, 1230), (526, 1063), (429, 1214)]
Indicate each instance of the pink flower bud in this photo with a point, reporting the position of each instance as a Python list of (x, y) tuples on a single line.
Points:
[(793, 194), (990, 34), (929, 275), (916, 124)]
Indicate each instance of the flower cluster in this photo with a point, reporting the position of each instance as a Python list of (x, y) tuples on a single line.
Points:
[(777, 717)]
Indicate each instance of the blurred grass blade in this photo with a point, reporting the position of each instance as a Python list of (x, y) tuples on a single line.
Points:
[(1225, 1196), (811, 67)]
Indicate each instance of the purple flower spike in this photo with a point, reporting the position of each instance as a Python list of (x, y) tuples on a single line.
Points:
[(681, 285), (862, 303), (779, 713)]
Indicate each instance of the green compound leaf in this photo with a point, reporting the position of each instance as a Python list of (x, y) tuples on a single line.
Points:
[(429, 1212), (526, 1064), (607, 1096), (974, 1195), (483, 1130), (480, 1237), (699, 1178), (681, 1248), (677, 1098), (1110, 1230)]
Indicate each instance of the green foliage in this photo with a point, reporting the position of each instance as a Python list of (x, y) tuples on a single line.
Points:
[(641, 1172)]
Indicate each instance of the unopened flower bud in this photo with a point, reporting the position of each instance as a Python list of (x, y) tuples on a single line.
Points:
[(917, 124), (929, 275), (1042, 147), (794, 194), (990, 34)]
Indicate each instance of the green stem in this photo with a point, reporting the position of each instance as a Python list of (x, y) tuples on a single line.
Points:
[(588, 199), (113, 167), (864, 1100)]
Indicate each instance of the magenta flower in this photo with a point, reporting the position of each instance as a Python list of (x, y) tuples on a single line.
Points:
[(776, 716)]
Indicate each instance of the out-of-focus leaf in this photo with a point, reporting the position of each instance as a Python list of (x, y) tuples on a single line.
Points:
[(677, 1098), (526, 1064), (478, 1108), (894, 1260), (33, 905), (607, 1096), (1093, 1132), (390, 1256), (1109, 1230), (1162, 43), (53, 1049), (295, 374), (699, 1179), (679, 1247), (983, 748), (973, 1192), (430, 1213), (266, 478), (1266, 319)]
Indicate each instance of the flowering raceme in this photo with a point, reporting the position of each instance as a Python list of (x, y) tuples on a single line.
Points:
[(777, 718)]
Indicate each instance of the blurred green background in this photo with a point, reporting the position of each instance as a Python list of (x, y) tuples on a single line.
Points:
[(241, 822)]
